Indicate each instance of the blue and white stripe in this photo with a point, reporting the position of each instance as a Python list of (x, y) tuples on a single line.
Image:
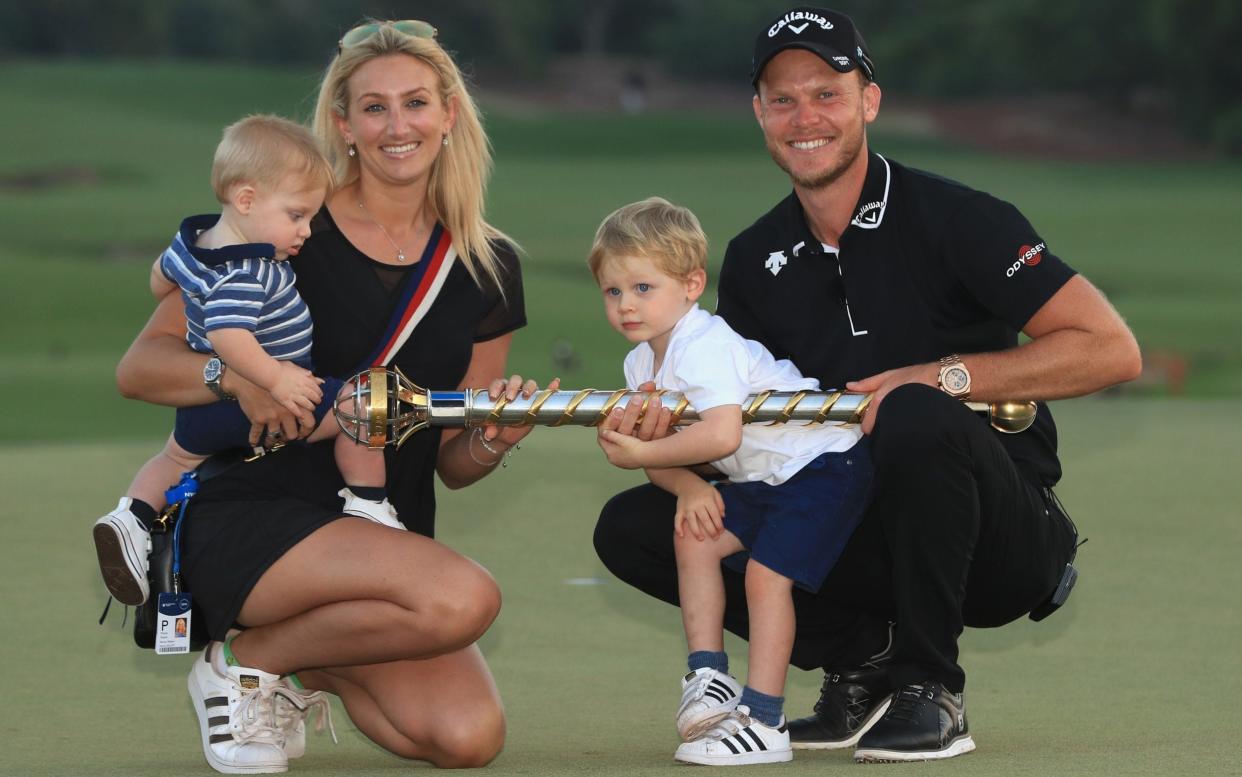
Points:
[(238, 287)]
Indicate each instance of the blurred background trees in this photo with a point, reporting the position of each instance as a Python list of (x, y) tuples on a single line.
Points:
[(1173, 57)]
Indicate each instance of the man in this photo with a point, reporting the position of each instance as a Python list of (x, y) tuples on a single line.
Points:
[(889, 280)]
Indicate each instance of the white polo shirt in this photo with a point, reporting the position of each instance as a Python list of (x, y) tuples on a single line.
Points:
[(713, 365)]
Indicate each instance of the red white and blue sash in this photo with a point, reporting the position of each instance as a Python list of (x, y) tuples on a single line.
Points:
[(419, 294)]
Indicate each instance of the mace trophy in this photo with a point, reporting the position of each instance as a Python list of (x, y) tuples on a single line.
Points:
[(384, 407)]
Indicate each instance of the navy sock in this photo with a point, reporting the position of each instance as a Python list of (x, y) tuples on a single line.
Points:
[(763, 708), (370, 493), (708, 659), (144, 512)]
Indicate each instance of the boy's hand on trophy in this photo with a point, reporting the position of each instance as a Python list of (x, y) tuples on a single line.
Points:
[(622, 450), (651, 426)]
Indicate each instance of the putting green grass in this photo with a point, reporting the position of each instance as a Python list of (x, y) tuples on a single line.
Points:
[(1138, 675)]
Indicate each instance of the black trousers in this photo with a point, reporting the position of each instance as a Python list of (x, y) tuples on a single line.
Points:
[(955, 536)]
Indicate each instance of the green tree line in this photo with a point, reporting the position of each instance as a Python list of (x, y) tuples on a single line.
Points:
[(1177, 53)]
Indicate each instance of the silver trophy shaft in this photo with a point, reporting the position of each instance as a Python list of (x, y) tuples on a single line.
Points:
[(384, 407), (589, 408)]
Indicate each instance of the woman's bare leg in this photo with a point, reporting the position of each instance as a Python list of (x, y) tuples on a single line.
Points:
[(354, 592), (445, 710), (393, 617)]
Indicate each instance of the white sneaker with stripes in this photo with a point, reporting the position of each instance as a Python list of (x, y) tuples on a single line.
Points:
[(236, 717), (738, 740), (707, 697)]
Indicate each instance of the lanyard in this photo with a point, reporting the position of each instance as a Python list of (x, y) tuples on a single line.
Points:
[(185, 489)]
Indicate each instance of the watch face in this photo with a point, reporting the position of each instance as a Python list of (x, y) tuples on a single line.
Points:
[(212, 370), (956, 379)]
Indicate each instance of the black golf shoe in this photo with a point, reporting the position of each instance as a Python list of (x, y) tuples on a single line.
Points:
[(923, 722), (850, 702)]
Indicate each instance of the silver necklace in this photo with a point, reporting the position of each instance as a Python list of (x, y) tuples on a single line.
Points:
[(375, 221)]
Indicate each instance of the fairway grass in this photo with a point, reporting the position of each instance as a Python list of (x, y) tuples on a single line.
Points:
[(1138, 675)]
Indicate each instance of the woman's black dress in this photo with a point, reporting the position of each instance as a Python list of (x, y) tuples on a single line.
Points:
[(243, 520)]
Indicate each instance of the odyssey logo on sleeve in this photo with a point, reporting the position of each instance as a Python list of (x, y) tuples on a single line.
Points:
[(1028, 256)]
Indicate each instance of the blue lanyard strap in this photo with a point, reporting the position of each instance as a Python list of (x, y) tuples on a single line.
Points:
[(186, 488)]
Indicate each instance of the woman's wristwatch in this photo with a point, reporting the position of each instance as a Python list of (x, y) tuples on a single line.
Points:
[(213, 371)]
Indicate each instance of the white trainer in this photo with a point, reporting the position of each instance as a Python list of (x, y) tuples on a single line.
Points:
[(293, 705), (738, 740), (122, 544), (707, 697), (379, 512), (236, 717)]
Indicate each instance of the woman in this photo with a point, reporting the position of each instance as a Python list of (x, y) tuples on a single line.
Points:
[(395, 614)]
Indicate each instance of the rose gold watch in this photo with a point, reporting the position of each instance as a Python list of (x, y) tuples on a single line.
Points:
[(954, 378)]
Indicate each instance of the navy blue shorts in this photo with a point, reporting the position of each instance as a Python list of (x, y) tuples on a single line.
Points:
[(799, 528), (220, 426)]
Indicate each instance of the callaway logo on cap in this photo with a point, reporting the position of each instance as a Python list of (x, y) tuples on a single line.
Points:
[(829, 34)]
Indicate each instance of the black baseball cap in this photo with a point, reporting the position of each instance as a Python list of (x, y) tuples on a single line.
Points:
[(829, 34)]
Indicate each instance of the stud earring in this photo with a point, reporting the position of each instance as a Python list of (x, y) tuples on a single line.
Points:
[(352, 151), (444, 140)]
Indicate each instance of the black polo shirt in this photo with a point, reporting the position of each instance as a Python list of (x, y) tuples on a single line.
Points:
[(927, 267)]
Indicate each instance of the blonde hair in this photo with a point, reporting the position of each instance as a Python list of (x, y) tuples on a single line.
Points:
[(458, 181), (266, 150), (656, 229)]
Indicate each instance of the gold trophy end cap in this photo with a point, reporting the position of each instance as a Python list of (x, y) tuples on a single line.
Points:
[(1013, 416)]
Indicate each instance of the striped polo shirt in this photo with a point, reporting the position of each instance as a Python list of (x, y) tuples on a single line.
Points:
[(238, 287)]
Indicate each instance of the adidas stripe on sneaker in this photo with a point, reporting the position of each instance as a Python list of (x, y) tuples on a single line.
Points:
[(707, 696), (737, 740), (236, 717)]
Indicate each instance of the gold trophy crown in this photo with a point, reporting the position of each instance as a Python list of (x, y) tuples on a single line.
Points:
[(384, 407)]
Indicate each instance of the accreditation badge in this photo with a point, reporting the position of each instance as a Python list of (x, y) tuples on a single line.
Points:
[(172, 628)]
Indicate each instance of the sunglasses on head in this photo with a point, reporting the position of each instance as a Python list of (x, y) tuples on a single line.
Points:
[(364, 32)]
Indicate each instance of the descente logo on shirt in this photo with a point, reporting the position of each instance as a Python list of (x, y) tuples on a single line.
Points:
[(776, 260), (798, 16)]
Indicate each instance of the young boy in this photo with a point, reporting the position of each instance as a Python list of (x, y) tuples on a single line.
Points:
[(794, 496), (241, 306)]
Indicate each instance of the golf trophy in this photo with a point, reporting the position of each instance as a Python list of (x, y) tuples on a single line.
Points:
[(384, 407)]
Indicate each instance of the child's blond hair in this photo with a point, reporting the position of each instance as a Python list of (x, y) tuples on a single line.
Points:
[(265, 150), (656, 229)]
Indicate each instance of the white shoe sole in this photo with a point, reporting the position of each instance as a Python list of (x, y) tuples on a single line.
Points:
[(959, 746), (356, 513), (197, 696), (740, 759), (842, 744), (120, 563)]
